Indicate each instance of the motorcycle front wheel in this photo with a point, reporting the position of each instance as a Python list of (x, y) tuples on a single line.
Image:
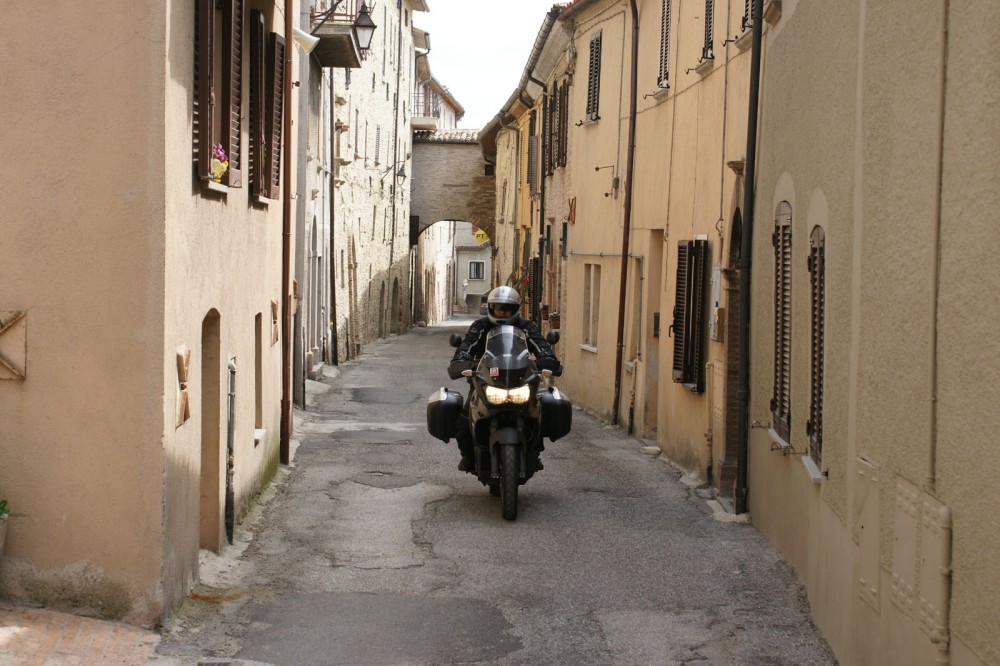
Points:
[(508, 481)]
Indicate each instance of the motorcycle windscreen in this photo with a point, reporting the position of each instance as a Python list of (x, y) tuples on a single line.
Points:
[(506, 362)]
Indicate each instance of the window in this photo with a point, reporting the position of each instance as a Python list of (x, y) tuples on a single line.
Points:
[(782, 241), (594, 78), (817, 282), (532, 156), (217, 125), (747, 21), (477, 270), (591, 303), (378, 143), (688, 327), (663, 80), (708, 51), (267, 86)]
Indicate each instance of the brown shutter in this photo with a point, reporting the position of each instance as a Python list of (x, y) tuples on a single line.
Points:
[(546, 128), (564, 124), (275, 90), (782, 241), (708, 51), (204, 83), (747, 22), (697, 318), (232, 90), (594, 78), (663, 80), (817, 280), (679, 327), (258, 96)]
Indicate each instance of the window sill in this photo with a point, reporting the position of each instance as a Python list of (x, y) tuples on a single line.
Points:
[(589, 348), (743, 41), (213, 186), (661, 92), (808, 464), (261, 200), (705, 66), (772, 11), (587, 123)]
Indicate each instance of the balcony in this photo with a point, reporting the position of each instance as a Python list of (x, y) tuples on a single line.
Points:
[(338, 44), (426, 111)]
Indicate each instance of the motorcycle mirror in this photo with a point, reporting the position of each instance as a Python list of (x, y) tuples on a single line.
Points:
[(552, 337), (455, 340)]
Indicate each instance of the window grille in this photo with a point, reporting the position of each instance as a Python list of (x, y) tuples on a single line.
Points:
[(782, 241)]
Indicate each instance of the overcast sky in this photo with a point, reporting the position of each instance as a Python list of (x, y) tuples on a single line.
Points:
[(479, 49)]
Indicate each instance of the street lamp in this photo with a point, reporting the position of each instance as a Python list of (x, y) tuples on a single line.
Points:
[(364, 28)]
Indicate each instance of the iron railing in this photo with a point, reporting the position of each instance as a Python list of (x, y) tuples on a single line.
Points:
[(338, 12), (427, 105)]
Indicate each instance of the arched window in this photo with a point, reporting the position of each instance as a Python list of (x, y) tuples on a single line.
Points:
[(781, 407)]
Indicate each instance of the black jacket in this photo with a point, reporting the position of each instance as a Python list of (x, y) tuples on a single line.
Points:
[(474, 344)]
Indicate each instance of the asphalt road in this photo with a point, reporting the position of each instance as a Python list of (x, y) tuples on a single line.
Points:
[(373, 549)]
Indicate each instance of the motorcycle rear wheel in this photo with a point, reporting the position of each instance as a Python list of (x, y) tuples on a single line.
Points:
[(508, 481)]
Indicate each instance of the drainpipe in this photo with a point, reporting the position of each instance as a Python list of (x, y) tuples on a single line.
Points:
[(629, 166), (286, 249), (230, 510), (746, 247), (334, 140)]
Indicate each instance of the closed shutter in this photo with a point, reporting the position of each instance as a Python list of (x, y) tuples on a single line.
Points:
[(594, 78), (232, 92), (679, 327), (275, 89), (782, 241), (378, 143), (553, 152), (258, 113), (688, 328), (204, 81), (747, 22), (564, 124), (817, 283), (708, 51), (663, 80), (546, 144)]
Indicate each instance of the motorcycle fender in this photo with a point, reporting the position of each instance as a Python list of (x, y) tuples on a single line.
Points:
[(508, 435)]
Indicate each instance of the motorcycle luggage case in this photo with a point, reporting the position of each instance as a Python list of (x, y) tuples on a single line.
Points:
[(443, 409), (557, 413)]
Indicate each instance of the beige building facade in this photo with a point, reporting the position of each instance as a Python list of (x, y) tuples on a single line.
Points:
[(139, 293), (877, 179)]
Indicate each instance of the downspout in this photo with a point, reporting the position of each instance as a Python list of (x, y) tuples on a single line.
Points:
[(629, 166), (746, 247), (334, 140), (286, 251)]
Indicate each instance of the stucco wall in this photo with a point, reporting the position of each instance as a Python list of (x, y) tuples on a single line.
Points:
[(83, 237)]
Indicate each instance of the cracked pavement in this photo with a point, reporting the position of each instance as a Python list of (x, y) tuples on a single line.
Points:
[(371, 548)]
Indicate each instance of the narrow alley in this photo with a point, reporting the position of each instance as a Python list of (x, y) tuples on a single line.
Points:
[(373, 549)]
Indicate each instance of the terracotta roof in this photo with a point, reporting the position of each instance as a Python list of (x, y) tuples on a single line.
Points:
[(447, 136), (574, 7)]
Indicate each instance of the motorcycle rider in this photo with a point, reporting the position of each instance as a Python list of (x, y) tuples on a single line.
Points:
[(503, 305)]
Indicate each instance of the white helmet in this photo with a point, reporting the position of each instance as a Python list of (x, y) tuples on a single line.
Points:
[(503, 296)]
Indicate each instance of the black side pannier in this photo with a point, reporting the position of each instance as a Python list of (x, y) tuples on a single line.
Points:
[(443, 409), (557, 413)]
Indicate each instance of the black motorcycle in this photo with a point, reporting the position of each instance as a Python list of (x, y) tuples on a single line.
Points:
[(510, 411)]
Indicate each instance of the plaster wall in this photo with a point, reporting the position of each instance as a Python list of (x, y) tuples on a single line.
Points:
[(82, 246), (865, 152), (436, 253)]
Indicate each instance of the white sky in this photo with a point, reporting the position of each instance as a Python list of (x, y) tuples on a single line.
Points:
[(479, 49)]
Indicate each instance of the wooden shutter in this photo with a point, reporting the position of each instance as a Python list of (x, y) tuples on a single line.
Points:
[(258, 106), (553, 133), (663, 80), (817, 282), (679, 327), (564, 123), (747, 22), (708, 51), (275, 91), (204, 83), (232, 90), (688, 328), (782, 241), (378, 143), (594, 78), (533, 164)]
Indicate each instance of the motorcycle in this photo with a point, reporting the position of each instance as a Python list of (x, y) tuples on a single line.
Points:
[(511, 408)]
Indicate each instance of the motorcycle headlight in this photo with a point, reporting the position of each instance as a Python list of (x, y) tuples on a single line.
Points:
[(496, 396), (519, 396)]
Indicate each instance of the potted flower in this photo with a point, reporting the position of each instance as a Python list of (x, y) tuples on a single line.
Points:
[(4, 513), (220, 162)]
